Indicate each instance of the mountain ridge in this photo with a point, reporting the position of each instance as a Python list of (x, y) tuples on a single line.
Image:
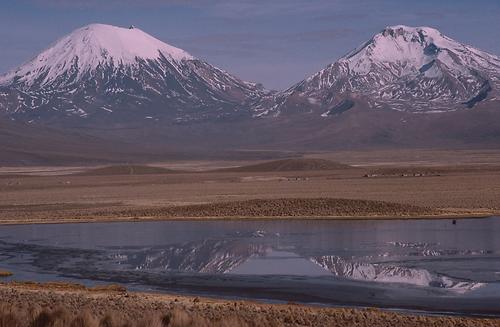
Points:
[(405, 87)]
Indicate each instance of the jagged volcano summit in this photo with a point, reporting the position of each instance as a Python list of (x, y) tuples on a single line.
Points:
[(410, 69)]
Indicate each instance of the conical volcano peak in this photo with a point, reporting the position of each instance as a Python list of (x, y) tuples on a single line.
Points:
[(121, 43), (123, 75), (89, 47)]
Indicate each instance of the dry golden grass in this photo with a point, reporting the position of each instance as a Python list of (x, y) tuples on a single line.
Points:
[(316, 207), (65, 286), (108, 288), (61, 317), (45, 305), (465, 190), (255, 208)]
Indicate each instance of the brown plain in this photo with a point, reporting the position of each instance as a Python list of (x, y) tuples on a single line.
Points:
[(366, 185), (461, 183)]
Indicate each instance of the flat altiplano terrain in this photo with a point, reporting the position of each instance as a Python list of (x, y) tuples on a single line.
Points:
[(462, 188), (413, 157)]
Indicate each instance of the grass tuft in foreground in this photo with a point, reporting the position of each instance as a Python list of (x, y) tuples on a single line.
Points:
[(60, 317), (73, 305)]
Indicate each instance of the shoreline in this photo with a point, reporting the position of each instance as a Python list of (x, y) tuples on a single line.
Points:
[(119, 219)]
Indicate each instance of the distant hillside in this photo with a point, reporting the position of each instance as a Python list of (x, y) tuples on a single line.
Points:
[(28, 144), (291, 165)]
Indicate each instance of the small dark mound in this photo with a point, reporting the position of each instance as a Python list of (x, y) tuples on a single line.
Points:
[(127, 170), (291, 165)]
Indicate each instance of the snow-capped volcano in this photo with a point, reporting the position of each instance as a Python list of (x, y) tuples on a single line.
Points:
[(87, 49), (414, 69), (123, 84), (102, 71)]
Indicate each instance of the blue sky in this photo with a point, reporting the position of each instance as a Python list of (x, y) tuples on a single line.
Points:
[(276, 42)]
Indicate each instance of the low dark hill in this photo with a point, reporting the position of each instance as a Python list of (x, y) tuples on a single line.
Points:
[(291, 165), (313, 207), (127, 170)]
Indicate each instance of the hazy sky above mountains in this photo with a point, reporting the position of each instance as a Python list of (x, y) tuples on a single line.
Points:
[(276, 42)]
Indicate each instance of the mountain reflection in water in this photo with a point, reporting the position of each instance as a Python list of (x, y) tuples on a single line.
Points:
[(208, 256), (421, 264), (236, 257)]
